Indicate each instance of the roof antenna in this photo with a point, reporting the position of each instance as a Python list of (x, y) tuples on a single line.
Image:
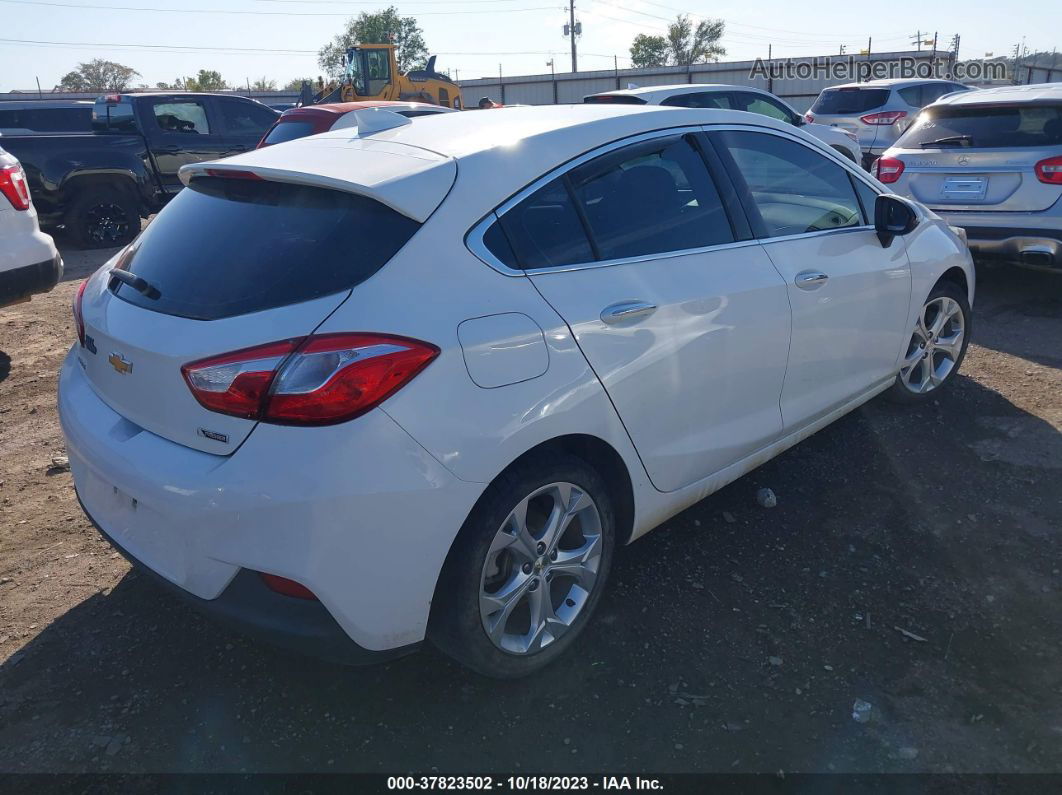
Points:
[(371, 120)]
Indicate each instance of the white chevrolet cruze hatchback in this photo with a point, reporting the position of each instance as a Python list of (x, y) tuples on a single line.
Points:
[(413, 382)]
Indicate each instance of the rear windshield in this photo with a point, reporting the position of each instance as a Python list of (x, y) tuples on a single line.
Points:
[(289, 131), (849, 100), (969, 126), (226, 247), (614, 99)]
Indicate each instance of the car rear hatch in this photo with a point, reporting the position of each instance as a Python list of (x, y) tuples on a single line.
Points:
[(248, 254), (984, 157), (846, 107)]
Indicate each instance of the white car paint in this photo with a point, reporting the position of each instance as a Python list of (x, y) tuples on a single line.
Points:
[(837, 138), (25, 251), (364, 513)]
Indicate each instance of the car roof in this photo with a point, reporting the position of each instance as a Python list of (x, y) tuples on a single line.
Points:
[(659, 92), (1005, 95), (893, 82), (340, 108), (406, 166)]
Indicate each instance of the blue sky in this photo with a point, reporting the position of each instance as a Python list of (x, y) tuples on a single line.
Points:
[(471, 36)]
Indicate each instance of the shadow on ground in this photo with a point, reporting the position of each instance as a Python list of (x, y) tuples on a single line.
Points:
[(734, 638)]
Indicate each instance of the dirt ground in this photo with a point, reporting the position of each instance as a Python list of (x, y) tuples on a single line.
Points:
[(913, 562)]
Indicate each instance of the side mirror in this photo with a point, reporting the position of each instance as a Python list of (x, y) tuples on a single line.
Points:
[(893, 216)]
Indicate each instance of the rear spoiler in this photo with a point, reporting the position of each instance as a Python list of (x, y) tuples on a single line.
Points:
[(410, 180)]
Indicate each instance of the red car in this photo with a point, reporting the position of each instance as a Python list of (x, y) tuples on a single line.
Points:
[(313, 119)]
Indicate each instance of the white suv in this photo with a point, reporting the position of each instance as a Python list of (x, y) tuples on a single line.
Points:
[(727, 97), (29, 263), (536, 351)]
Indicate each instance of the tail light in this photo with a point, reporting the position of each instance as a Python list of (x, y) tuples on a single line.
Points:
[(283, 585), (809, 118), (888, 117), (1049, 170), (888, 169), (13, 185), (79, 319), (318, 380)]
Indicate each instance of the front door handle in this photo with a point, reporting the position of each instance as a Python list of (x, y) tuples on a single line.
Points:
[(626, 311), (810, 280)]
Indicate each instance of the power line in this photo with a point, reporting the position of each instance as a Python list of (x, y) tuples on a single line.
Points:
[(244, 13)]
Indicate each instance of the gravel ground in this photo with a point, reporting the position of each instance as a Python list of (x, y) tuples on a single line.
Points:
[(912, 562)]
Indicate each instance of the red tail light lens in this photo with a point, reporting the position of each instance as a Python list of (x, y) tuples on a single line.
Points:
[(1049, 170), (79, 320), (283, 585), (888, 117), (888, 169), (319, 380), (14, 186)]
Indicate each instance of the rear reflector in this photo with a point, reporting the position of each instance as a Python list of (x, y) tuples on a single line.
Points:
[(888, 169), (13, 185), (318, 380), (1049, 170), (283, 585), (888, 117)]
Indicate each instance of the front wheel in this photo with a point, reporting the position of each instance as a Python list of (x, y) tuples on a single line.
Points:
[(527, 569), (937, 345)]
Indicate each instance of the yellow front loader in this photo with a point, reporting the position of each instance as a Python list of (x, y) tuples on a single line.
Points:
[(372, 73)]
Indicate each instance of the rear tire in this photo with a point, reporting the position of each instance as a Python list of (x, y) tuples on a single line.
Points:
[(937, 345), (514, 594), (102, 217)]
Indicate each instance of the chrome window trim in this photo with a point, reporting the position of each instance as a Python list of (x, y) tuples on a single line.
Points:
[(474, 237)]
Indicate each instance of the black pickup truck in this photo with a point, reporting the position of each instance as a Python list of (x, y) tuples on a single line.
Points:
[(99, 184)]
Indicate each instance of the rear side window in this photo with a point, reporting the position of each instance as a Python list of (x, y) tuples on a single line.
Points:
[(545, 230), (289, 131), (248, 118), (912, 95), (116, 117), (985, 127), (699, 99), (226, 247), (650, 198), (839, 101), (795, 189)]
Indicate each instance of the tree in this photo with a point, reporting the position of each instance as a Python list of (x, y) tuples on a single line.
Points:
[(296, 84), (689, 44), (206, 80), (261, 84), (649, 51), (381, 27), (98, 75)]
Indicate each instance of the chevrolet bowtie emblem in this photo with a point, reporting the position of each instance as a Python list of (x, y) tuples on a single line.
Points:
[(119, 363)]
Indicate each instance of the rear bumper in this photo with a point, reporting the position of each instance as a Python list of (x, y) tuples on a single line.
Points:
[(1032, 247), (359, 513), (248, 606), (17, 284)]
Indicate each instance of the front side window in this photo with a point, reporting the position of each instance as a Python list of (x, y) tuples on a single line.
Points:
[(794, 188), (754, 103), (378, 68), (182, 117)]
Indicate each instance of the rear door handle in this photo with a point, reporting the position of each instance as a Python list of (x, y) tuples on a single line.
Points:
[(810, 280), (626, 311)]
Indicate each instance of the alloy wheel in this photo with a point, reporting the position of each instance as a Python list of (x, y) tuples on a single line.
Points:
[(107, 223), (935, 345), (541, 568)]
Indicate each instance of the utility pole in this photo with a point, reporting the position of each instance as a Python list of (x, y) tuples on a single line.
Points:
[(770, 72), (553, 77), (572, 30), (615, 68), (934, 44), (842, 50), (918, 37)]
